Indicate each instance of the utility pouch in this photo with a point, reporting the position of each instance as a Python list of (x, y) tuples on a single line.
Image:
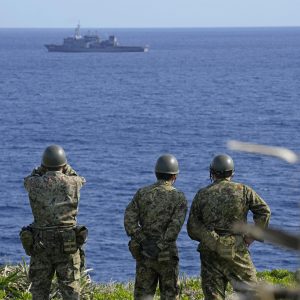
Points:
[(226, 246), (82, 259), (26, 238), (135, 249), (81, 235), (69, 241)]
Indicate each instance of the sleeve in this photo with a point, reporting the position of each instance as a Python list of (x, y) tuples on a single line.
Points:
[(26, 183), (69, 171), (131, 219), (79, 181), (39, 171), (260, 209), (83, 181), (29, 181), (176, 222), (196, 228)]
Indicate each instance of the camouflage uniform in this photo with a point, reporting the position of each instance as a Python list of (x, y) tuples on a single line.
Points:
[(54, 198), (41, 170), (224, 256), (156, 213)]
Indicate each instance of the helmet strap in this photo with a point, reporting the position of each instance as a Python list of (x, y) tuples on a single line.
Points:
[(174, 179), (211, 176)]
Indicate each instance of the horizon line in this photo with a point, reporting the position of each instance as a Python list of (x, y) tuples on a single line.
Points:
[(167, 27)]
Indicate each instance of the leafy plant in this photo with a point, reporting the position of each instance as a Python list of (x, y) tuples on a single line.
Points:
[(14, 284)]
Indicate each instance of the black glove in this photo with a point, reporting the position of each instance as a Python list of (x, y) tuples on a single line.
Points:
[(135, 249), (26, 238), (150, 249), (81, 234)]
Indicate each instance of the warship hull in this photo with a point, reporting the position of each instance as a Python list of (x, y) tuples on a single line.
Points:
[(61, 48)]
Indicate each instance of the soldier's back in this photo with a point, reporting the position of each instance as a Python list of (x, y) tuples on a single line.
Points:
[(222, 203), (157, 203), (54, 198)]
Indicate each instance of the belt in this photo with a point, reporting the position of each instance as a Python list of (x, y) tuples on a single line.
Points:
[(42, 228), (224, 232)]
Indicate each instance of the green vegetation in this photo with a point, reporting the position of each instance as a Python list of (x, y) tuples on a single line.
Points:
[(14, 284)]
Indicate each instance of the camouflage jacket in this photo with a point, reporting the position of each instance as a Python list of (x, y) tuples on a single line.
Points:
[(156, 212), (54, 198), (218, 206)]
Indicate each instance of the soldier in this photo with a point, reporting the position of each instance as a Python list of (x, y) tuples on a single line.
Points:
[(215, 209), (153, 220), (53, 240)]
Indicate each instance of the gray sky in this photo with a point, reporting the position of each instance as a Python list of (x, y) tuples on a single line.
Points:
[(151, 13)]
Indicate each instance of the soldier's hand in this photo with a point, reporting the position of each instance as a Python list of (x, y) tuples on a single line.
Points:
[(69, 171), (248, 240), (150, 249), (39, 171), (135, 249)]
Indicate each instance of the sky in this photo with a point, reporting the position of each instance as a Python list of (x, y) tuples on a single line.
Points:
[(148, 13)]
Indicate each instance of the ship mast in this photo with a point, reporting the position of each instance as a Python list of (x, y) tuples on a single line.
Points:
[(77, 32)]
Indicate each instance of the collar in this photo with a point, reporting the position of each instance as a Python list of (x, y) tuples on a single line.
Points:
[(53, 173), (163, 182), (222, 179)]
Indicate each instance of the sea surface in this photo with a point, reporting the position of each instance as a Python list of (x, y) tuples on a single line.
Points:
[(115, 114)]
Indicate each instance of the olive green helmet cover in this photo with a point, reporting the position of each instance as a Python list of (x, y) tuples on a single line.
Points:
[(54, 156), (167, 164), (221, 164)]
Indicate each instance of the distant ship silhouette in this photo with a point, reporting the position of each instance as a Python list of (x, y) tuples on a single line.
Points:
[(92, 43)]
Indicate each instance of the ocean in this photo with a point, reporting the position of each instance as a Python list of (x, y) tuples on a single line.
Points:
[(115, 114)]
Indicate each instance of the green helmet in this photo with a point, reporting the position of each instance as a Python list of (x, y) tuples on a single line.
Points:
[(54, 156), (221, 163), (167, 164)]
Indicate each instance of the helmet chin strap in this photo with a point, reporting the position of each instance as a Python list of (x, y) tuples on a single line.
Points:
[(212, 176), (173, 180)]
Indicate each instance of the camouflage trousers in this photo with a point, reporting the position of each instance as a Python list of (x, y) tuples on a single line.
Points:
[(150, 272), (44, 265), (216, 272)]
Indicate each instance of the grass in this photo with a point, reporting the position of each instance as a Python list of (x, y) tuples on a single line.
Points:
[(14, 284)]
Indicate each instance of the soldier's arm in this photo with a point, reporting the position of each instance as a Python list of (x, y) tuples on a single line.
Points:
[(260, 209), (69, 171), (197, 230), (176, 222), (131, 219), (30, 180), (26, 183), (39, 171), (82, 180)]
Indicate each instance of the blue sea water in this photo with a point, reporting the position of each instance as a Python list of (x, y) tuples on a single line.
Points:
[(116, 113)]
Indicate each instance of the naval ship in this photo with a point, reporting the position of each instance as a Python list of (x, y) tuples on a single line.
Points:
[(92, 43)]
